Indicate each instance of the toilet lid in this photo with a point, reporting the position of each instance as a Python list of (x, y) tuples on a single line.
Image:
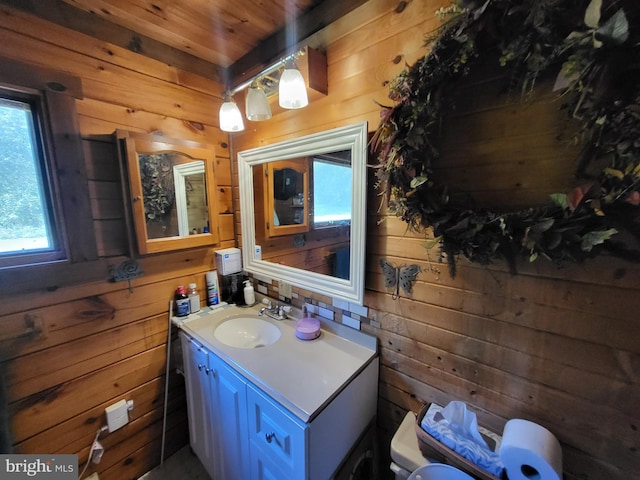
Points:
[(405, 451), (439, 471)]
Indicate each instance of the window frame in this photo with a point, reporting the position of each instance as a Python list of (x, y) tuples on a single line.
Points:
[(66, 174), (37, 106)]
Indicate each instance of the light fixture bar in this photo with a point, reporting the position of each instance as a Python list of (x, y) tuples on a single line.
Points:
[(266, 71)]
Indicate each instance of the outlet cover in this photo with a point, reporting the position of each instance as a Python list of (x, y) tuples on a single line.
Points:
[(117, 415), (284, 289)]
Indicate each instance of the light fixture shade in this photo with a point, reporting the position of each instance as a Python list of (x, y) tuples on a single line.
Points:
[(257, 105), (292, 90), (230, 117)]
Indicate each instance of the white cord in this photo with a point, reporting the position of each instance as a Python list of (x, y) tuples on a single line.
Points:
[(95, 439)]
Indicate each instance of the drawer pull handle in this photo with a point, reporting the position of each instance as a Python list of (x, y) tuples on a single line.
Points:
[(269, 437), (200, 366)]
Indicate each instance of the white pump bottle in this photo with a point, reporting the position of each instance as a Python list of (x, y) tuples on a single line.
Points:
[(249, 293)]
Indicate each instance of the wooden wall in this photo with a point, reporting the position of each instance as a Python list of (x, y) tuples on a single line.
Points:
[(559, 347), (97, 343)]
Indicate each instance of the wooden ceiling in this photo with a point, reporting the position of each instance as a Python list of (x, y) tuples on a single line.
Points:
[(222, 39)]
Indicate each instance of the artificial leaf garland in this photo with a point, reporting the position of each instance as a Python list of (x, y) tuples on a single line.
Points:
[(156, 175), (599, 76)]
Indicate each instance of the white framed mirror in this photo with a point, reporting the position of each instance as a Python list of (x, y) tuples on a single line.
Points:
[(325, 255), (191, 197)]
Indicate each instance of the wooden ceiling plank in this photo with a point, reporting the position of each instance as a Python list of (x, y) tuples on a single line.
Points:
[(240, 16), (277, 44), (220, 30), (155, 22)]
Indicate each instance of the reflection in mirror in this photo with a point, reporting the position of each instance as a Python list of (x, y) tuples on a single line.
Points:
[(320, 208), (173, 194), (286, 197), (191, 198), (331, 191), (302, 203)]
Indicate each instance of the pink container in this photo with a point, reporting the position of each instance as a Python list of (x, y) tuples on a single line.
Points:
[(307, 328)]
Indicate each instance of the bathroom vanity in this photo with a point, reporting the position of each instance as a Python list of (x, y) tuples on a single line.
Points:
[(263, 404)]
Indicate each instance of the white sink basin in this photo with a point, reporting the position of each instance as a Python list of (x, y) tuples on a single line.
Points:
[(247, 332)]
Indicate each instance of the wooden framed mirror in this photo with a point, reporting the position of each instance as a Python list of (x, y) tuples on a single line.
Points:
[(169, 187), (286, 197)]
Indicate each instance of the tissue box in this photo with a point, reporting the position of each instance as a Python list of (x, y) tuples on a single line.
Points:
[(433, 449), (228, 261)]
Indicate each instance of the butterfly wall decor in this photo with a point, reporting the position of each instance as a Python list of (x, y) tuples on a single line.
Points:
[(399, 276)]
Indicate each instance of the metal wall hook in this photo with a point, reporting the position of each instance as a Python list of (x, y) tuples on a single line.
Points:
[(127, 270)]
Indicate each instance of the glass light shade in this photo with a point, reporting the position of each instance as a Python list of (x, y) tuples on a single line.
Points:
[(257, 105), (292, 90), (230, 117)]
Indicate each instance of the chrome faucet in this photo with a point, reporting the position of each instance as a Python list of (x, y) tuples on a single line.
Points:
[(275, 311)]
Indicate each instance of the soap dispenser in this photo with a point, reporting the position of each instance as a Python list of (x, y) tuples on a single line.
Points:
[(249, 294)]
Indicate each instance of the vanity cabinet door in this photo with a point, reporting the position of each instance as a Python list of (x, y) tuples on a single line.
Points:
[(278, 441), (196, 367), (229, 410)]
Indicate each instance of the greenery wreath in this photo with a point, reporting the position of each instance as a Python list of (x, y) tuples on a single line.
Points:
[(597, 55), (158, 190)]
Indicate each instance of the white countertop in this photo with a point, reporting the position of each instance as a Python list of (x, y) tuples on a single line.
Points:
[(301, 375)]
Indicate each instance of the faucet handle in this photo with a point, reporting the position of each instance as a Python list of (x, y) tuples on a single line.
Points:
[(267, 302)]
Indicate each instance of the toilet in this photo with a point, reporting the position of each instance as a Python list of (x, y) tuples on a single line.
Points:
[(405, 453), (439, 471), (407, 461)]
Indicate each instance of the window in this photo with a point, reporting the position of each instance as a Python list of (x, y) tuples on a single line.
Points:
[(47, 237), (28, 226), (331, 193)]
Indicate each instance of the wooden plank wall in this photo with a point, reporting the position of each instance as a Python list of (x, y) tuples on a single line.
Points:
[(556, 346), (97, 343), (559, 347)]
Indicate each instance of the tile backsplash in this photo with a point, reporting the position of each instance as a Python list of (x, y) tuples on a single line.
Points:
[(340, 311)]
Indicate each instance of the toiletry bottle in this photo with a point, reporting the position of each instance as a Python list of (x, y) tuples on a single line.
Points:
[(249, 294), (213, 297), (194, 298), (182, 302)]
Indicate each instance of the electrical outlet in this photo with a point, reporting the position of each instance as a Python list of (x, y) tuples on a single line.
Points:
[(93, 476)]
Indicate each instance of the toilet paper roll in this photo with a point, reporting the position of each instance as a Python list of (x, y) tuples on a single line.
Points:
[(530, 452)]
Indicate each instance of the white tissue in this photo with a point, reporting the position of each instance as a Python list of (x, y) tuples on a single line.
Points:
[(529, 450), (463, 422), (456, 427)]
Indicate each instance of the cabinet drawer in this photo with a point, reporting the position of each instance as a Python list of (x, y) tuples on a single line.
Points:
[(262, 467), (277, 435)]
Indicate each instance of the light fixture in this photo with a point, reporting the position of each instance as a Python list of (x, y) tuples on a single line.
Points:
[(292, 91), (257, 106), (291, 87), (230, 116)]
